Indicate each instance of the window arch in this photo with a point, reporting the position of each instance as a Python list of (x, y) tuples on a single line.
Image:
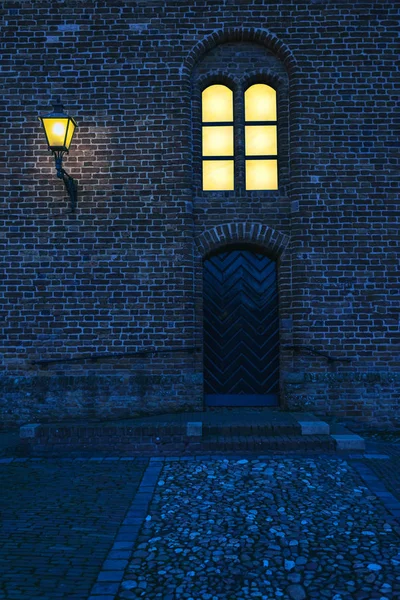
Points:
[(220, 128)]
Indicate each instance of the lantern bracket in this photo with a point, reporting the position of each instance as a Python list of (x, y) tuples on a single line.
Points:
[(70, 183)]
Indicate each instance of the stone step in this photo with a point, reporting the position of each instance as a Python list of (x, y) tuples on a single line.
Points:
[(186, 425), (168, 434), (139, 432), (266, 429), (346, 439), (273, 443), (165, 446), (350, 441)]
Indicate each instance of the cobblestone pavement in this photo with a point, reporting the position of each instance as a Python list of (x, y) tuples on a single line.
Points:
[(58, 521), (201, 528), (290, 528)]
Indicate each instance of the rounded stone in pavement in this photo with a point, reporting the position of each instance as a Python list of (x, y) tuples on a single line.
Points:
[(296, 592)]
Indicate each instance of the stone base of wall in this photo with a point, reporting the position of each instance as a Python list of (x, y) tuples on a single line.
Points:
[(52, 398), (371, 398)]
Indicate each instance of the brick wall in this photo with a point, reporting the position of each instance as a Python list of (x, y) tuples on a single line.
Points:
[(124, 274)]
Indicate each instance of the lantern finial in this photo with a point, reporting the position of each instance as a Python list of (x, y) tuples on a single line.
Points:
[(58, 105)]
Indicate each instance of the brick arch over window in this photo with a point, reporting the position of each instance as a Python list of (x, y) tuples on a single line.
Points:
[(259, 36), (272, 240), (262, 76), (216, 76), (240, 58)]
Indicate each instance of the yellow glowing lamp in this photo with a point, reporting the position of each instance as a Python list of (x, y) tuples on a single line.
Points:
[(59, 129)]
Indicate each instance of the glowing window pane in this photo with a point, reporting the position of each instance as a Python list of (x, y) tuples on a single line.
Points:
[(217, 104), (260, 103), (261, 175), (218, 141), (260, 139), (218, 175)]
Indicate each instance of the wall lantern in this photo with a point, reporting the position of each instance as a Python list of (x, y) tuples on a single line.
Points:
[(59, 129)]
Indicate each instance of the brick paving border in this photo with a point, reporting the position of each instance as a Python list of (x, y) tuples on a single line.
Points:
[(113, 569), (378, 488)]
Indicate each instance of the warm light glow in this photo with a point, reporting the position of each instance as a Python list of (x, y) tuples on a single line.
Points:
[(260, 103), (261, 174), (260, 140), (55, 131), (217, 104), (58, 129), (217, 107), (218, 141), (218, 175)]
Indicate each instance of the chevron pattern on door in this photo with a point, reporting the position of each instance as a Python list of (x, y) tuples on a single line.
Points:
[(241, 329)]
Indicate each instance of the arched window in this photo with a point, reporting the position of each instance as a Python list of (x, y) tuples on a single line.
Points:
[(261, 148), (217, 138), (260, 143)]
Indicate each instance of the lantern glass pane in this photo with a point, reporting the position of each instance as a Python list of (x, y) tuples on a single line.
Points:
[(260, 103), (217, 175), (56, 129), (261, 174), (70, 133), (218, 141), (217, 104), (260, 139)]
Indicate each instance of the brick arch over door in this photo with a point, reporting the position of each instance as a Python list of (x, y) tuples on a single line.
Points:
[(272, 241)]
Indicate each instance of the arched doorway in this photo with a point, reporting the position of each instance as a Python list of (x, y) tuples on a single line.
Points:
[(241, 328)]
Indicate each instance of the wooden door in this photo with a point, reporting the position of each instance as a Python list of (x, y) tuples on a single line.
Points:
[(241, 329)]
